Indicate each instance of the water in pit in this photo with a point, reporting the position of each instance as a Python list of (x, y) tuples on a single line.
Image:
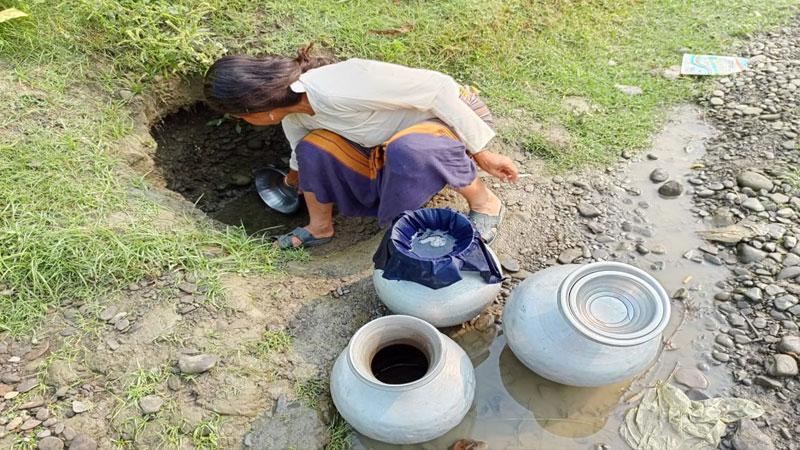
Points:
[(399, 364), (210, 159), (516, 409)]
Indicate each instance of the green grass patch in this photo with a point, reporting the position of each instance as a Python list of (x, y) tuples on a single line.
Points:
[(339, 431), (206, 434), (272, 342), (62, 67), (309, 391)]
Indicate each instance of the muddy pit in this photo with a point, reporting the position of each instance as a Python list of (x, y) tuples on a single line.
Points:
[(209, 159)]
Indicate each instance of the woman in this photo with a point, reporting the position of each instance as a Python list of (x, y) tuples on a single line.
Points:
[(372, 138)]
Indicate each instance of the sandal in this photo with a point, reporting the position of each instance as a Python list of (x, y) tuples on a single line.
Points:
[(306, 239), (487, 225)]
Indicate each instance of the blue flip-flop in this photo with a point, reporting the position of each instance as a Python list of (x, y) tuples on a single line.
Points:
[(487, 225), (306, 239)]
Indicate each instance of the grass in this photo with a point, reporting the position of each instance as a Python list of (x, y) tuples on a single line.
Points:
[(308, 391), (61, 117), (271, 342), (339, 431), (206, 434)]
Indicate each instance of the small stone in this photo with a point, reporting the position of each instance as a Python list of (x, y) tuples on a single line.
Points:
[(569, 255), (753, 204), (748, 254), (692, 378), (784, 302), (588, 210), (43, 433), (43, 414), (30, 424), (659, 176), (789, 145), (80, 407), (754, 181), (789, 344), (10, 378), (716, 101), (753, 294), (789, 272), (14, 423), (122, 324), (83, 442), (484, 322), (749, 437), (196, 364), (151, 404), (10, 395), (32, 404), (108, 313), (509, 264), (724, 340), (596, 227), (720, 356), (671, 189), (68, 433), (50, 443), (781, 365), (189, 288)]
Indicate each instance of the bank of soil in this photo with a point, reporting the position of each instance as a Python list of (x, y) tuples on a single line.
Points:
[(161, 365)]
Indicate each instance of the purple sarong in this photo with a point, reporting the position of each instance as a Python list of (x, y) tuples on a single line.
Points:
[(402, 174)]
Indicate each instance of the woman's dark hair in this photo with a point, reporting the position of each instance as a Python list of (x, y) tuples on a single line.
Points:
[(240, 84)]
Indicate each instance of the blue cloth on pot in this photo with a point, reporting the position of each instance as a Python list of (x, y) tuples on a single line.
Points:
[(469, 253)]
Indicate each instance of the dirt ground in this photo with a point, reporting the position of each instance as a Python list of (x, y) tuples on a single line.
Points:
[(162, 366)]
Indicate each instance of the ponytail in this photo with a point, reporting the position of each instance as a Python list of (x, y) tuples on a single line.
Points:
[(240, 84)]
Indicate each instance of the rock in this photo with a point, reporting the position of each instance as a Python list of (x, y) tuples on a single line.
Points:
[(767, 382), (781, 365), (754, 181), (749, 437), (789, 344), (60, 373), (43, 414), (748, 254), (659, 176), (509, 264), (30, 424), (189, 288), (720, 356), (629, 90), (724, 340), (151, 404), (80, 407), (14, 423), (753, 294), (108, 313), (692, 378), (83, 442), (10, 378), (789, 272), (569, 255), (671, 189), (753, 204), (784, 302), (588, 210), (484, 321), (196, 364), (596, 227), (50, 443), (295, 426)]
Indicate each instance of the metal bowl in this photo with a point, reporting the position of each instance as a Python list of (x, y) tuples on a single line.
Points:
[(274, 192)]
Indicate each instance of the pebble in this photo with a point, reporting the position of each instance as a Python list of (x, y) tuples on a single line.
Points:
[(789, 272), (720, 356), (108, 313), (151, 404), (30, 424), (671, 189), (781, 365), (569, 255), (767, 382), (753, 204), (509, 264), (588, 210), (754, 181), (194, 364), (692, 378), (748, 254), (789, 344), (79, 406), (724, 340), (629, 90), (50, 443), (122, 324), (659, 175), (14, 423), (27, 385), (189, 288)]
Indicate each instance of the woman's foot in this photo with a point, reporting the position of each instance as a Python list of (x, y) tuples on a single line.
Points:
[(489, 204), (308, 236)]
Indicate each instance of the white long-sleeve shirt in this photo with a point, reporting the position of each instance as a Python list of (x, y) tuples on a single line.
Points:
[(369, 101)]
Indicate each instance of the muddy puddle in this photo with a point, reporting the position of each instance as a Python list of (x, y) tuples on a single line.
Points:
[(516, 409)]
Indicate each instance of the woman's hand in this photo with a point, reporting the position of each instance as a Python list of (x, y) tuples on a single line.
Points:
[(292, 179), (496, 165)]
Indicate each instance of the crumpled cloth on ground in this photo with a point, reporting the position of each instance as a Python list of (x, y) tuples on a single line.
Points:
[(666, 419)]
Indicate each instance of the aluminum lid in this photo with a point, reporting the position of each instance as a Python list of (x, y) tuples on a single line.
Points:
[(614, 303)]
